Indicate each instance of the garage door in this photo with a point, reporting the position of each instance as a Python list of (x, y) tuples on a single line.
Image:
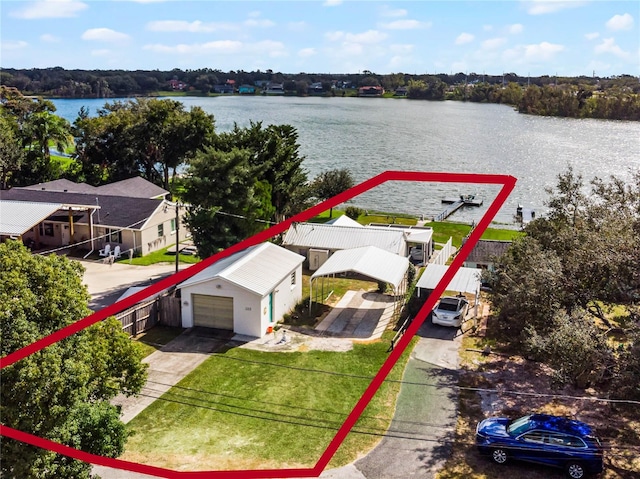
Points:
[(212, 311)]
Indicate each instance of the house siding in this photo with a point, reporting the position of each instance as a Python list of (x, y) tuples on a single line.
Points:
[(250, 310)]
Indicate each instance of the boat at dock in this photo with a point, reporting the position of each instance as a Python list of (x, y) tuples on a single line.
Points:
[(467, 200), (456, 203)]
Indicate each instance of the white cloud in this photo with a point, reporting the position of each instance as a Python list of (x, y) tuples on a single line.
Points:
[(464, 38), (332, 3), (493, 43), (533, 53), (515, 28), (14, 45), (105, 35), (542, 51), (541, 7), (592, 36), (193, 27), (47, 37), (307, 52), (609, 45), (405, 25), (386, 11), (368, 37), (222, 47), (50, 9), (620, 22)]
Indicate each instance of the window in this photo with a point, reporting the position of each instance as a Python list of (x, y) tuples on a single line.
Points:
[(293, 278), (563, 440), (46, 229), (160, 230), (113, 235), (534, 436), (173, 226)]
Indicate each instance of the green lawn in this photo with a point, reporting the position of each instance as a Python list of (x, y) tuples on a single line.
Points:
[(245, 409), (160, 256)]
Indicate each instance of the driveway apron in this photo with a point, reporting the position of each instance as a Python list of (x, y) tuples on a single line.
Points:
[(419, 439)]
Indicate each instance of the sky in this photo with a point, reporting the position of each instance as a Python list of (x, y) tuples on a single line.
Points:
[(532, 37)]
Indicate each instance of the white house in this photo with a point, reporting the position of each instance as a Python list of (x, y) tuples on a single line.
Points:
[(247, 292)]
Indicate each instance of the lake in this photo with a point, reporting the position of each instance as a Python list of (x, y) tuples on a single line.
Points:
[(372, 135)]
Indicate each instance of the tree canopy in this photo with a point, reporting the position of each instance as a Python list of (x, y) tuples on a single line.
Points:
[(248, 178), (146, 137), (573, 268), (331, 183), (62, 392), (29, 127)]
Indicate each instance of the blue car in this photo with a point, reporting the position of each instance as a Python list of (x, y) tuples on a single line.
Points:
[(544, 439)]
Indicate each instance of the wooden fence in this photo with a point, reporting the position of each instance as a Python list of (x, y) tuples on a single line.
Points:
[(143, 316)]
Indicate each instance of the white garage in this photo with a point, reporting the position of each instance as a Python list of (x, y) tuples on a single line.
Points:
[(247, 292)]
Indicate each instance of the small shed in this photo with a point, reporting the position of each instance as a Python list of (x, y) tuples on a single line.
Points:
[(485, 252), (247, 292)]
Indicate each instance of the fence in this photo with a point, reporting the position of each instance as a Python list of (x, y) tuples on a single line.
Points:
[(163, 310), (443, 255)]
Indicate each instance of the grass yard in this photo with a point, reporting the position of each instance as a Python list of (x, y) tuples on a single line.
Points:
[(160, 256), (247, 409)]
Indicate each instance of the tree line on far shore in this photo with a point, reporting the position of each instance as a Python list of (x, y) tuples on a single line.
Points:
[(235, 183), (615, 98)]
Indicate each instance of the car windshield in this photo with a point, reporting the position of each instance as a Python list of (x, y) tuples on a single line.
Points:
[(448, 305), (518, 426)]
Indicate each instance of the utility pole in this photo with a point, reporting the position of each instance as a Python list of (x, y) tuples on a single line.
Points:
[(177, 235)]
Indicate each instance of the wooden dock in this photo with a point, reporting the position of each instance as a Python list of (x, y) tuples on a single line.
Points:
[(454, 204)]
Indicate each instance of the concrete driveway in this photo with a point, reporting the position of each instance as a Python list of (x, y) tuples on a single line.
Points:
[(106, 282)]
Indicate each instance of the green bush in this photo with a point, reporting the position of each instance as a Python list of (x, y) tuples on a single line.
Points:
[(353, 212)]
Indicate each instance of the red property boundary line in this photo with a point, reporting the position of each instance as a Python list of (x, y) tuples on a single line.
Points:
[(508, 184)]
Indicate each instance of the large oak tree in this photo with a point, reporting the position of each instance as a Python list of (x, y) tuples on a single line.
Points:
[(62, 392)]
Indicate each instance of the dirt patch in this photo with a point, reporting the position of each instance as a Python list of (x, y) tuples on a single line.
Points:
[(502, 385)]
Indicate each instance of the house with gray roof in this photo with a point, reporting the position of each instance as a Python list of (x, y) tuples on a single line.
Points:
[(132, 214)]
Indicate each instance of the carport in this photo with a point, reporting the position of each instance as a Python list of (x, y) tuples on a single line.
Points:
[(369, 261), (466, 280)]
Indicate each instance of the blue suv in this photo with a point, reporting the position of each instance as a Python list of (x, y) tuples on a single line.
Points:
[(543, 439)]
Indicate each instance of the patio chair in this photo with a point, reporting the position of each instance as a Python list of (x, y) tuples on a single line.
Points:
[(106, 251), (116, 252)]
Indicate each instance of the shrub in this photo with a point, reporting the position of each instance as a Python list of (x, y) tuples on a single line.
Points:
[(353, 212)]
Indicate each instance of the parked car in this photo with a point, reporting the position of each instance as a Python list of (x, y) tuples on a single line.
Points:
[(544, 439), (450, 311)]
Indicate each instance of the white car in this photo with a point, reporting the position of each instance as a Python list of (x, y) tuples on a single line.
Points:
[(450, 311)]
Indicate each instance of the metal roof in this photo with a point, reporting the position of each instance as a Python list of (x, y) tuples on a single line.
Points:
[(466, 280), (369, 261), (314, 235), (258, 269), (17, 217), (344, 220)]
